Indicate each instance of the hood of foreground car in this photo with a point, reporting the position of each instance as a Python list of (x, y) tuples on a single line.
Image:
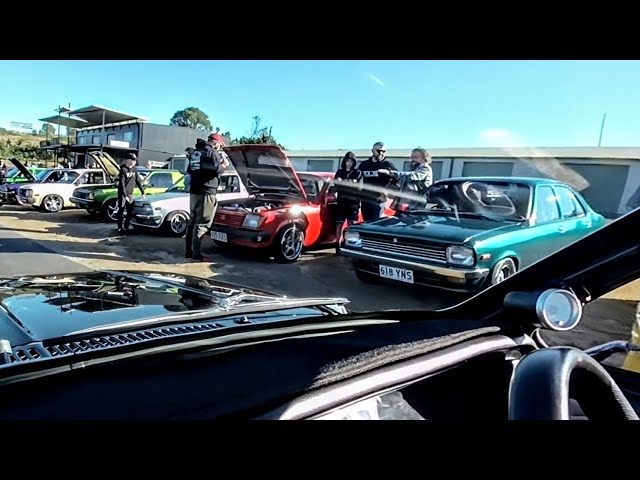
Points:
[(178, 199), (40, 308), (437, 227), (265, 169)]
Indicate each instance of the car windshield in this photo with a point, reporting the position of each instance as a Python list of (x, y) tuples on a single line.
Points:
[(502, 199), (396, 184)]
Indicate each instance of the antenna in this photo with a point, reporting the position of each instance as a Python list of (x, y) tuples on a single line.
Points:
[(604, 117)]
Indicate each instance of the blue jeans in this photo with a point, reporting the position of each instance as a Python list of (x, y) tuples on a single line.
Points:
[(371, 211)]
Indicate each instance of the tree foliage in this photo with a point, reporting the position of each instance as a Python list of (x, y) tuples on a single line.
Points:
[(191, 117), (259, 135), (48, 129)]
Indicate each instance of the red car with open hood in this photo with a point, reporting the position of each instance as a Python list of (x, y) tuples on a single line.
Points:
[(286, 211)]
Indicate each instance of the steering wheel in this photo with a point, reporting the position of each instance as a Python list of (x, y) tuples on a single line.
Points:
[(543, 379), (477, 200)]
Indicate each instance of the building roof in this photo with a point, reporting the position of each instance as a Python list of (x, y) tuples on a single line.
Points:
[(507, 152), (92, 116)]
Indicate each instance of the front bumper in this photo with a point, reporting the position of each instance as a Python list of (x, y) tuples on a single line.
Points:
[(84, 203), (244, 237), (146, 220), (436, 276), (22, 200)]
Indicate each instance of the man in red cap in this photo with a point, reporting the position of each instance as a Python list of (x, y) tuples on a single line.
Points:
[(206, 164)]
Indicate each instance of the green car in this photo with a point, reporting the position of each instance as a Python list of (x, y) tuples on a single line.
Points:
[(16, 175), (102, 200), (474, 233)]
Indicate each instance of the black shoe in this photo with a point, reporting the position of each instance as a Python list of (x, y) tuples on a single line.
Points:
[(188, 255)]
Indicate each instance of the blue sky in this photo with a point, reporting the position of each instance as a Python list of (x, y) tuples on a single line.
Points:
[(351, 104)]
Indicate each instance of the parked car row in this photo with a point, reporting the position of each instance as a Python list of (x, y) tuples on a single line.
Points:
[(473, 233)]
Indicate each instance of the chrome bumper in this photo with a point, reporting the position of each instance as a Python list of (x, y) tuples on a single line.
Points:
[(447, 272)]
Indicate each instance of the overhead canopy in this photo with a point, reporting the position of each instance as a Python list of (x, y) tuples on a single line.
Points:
[(91, 116), (65, 121)]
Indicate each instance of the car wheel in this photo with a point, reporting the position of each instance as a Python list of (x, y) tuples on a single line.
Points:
[(52, 203), (503, 270), (367, 277), (288, 244), (176, 223), (110, 210)]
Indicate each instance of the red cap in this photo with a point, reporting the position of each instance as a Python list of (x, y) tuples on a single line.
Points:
[(216, 137)]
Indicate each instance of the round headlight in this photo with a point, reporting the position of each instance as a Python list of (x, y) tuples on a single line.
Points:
[(351, 236), (558, 309)]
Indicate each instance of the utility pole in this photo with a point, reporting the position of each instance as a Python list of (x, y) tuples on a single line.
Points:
[(604, 117)]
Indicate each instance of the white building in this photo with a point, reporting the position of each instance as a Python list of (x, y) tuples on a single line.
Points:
[(606, 176)]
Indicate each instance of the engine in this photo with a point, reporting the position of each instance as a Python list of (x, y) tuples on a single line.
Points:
[(254, 206)]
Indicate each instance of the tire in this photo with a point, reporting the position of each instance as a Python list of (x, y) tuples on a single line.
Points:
[(288, 243), (503, 270), (366, 277), (52, 204), (176, 224), (110, 210)]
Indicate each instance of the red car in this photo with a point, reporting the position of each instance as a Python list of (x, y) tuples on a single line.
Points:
[(286, 211)]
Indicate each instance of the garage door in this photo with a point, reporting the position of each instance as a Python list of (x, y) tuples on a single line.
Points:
[(487, 169), (606, 184), (436, 169)]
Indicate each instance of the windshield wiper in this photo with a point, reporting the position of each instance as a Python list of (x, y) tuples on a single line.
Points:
[(604, 351), (207, 314)]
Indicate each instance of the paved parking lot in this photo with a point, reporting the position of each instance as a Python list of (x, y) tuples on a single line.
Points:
[(32, 242)]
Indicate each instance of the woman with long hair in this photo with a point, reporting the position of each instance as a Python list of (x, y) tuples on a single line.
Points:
[(348, 181)]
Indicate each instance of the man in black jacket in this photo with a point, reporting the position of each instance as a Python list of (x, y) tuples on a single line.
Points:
[(127, 181), (373, 196), (206, 163)]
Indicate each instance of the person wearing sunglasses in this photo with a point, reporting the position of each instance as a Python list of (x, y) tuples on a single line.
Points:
[(375, 184)]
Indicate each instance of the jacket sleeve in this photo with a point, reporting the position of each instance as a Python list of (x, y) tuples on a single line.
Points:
[(139, 183), (419, 175), (121, 180)]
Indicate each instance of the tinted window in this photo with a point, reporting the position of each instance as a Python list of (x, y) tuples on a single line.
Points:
[(161, 180), (546, 205), (128, 136), (319, 165), (95, 140), (569, 204)]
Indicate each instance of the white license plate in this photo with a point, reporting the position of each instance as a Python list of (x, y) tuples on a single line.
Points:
[(219, 236), (399, 274)]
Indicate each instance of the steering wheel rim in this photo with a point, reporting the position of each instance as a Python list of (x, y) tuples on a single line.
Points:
[(542, 381)]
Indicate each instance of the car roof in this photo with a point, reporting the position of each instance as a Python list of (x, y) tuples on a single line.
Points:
[(529, 181)]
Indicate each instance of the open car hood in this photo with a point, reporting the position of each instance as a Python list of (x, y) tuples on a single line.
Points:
[(265, 169), (23, 170), (107, 163)]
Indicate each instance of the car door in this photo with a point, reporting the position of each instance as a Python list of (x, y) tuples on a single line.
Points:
[(547, 233), (575, 223), (157, 182)]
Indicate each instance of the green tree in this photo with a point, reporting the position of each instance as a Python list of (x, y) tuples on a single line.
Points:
[(191, 117), (48, 129), (259, 135)]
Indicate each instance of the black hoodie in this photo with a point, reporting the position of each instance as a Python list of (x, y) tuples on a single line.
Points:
[(348, 183)]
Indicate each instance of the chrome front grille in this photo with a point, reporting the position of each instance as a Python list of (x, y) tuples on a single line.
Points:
[(401, 247), (231, 219)]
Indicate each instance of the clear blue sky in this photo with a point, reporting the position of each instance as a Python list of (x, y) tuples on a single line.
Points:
[(351, 104)]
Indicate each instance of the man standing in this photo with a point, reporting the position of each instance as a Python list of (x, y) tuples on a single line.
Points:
[(375, 182), (206, 163), (127, 181)]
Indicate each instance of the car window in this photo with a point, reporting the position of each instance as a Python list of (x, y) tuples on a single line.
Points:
[(546, 205), (161, 180), (569, 205), (229, 184), (312, 186)]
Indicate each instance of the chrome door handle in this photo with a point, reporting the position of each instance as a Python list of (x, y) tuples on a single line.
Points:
[(562, 229)]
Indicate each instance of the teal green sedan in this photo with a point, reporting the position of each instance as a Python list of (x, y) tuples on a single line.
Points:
[(473, 233)]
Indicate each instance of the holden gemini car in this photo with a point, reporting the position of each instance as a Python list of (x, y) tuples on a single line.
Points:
[(169, 211), (16, 177), (477, 232), (286, 211), (102, 200), (53, 191), (150, 346)]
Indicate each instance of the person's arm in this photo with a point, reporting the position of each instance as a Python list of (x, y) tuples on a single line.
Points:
[(121, 180), (139, 183)]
